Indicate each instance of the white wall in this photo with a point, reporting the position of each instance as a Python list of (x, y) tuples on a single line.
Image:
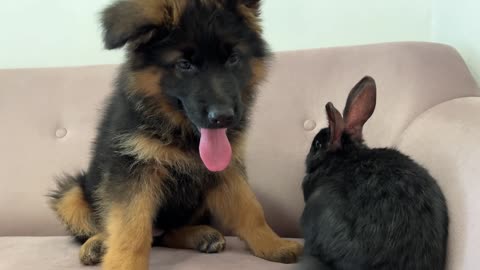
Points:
[(45, 33), (61, 33), (457, 23), (50, 33), (325, 23)]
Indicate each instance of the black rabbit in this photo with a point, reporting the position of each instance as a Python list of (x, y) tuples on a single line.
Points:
[(368, 208)]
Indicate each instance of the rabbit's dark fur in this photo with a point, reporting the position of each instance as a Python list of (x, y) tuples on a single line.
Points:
[(368, 208)]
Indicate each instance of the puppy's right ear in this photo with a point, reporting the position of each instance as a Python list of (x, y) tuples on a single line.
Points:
[(129, 21), (336, 126)]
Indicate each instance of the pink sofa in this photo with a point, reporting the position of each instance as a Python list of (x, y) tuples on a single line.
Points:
[(427, 107)]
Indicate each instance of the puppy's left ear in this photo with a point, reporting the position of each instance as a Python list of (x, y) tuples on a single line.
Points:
[(253, 5), (136, 21), (250, 11)]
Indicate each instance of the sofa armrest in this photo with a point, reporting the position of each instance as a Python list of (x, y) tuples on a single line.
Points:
[(446, 140)]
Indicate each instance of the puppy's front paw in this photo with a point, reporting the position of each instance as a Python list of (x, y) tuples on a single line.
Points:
[(202, 238), (125, 260), (279, 250), (92, 251), (211, 242)]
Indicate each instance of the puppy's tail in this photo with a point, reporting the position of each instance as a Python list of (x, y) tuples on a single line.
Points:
[(69, 203), (312, 263)]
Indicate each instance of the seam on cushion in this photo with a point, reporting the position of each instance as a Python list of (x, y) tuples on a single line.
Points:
[(367, 45), (398, 140)]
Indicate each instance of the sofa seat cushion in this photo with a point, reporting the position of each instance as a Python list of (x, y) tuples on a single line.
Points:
[(53, 253)]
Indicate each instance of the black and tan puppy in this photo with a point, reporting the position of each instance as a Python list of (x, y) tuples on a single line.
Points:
[(169, 150)]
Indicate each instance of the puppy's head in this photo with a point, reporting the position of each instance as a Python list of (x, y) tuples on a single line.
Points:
[(200, 59)]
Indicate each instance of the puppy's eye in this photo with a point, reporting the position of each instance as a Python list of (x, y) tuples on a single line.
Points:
[(317, 144), (184, 65), (233, 59)]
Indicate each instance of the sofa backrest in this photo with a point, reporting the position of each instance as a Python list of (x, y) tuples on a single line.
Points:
[(48, 119)]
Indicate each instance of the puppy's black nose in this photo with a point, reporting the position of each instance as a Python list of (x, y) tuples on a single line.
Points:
[(220, 117)]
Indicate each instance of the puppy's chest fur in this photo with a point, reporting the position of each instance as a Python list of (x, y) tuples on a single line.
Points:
[(184, 197)]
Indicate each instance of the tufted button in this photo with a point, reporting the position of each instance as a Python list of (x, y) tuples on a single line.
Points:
[(309, 125), (61, 133)]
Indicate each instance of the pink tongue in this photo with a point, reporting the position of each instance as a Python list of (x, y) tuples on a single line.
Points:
[(215, 149)]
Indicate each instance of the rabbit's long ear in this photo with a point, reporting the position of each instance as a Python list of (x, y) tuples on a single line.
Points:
[(360, 106), (335, 125)]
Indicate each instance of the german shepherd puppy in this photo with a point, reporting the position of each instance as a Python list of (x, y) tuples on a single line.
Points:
[(169, 150)]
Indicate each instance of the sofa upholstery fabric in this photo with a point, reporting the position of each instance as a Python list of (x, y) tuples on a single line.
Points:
[(427, 105)]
